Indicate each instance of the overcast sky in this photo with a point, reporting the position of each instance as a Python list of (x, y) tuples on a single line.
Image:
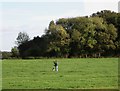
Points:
[(34, 17)]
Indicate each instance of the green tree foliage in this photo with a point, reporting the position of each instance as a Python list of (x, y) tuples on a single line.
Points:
[(22, 38), (34, 48), (6, 55), (111, 18), (15, 52), (93, 36), (59, 40)]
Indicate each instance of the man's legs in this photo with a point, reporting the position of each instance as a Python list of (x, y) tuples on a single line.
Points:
[(56, 68)]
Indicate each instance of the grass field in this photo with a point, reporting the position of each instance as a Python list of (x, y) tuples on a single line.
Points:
[(100, 73)]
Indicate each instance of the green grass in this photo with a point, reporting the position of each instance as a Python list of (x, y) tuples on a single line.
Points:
[(101, 73), (0, 75)]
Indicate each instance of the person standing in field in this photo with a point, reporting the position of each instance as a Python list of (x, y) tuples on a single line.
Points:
[(55, 68)]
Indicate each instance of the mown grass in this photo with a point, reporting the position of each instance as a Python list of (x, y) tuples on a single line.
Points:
[(0, 75), (75, 73)]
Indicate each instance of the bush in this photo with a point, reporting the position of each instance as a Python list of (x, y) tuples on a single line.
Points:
[(6, 55)]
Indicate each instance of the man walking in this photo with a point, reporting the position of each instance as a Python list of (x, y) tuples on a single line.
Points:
[(55, 65)]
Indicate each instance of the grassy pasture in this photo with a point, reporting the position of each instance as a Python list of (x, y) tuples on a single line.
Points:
[(74, 73)]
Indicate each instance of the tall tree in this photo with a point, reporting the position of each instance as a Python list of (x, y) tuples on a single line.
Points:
[(22, 38), (59, 40)]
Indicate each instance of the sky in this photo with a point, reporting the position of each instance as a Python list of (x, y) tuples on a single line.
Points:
[(119, 7), (33, 17)]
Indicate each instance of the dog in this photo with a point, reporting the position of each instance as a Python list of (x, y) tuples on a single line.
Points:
[(53, 69)]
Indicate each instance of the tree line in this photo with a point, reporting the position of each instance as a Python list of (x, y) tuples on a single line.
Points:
[(94, 36)]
